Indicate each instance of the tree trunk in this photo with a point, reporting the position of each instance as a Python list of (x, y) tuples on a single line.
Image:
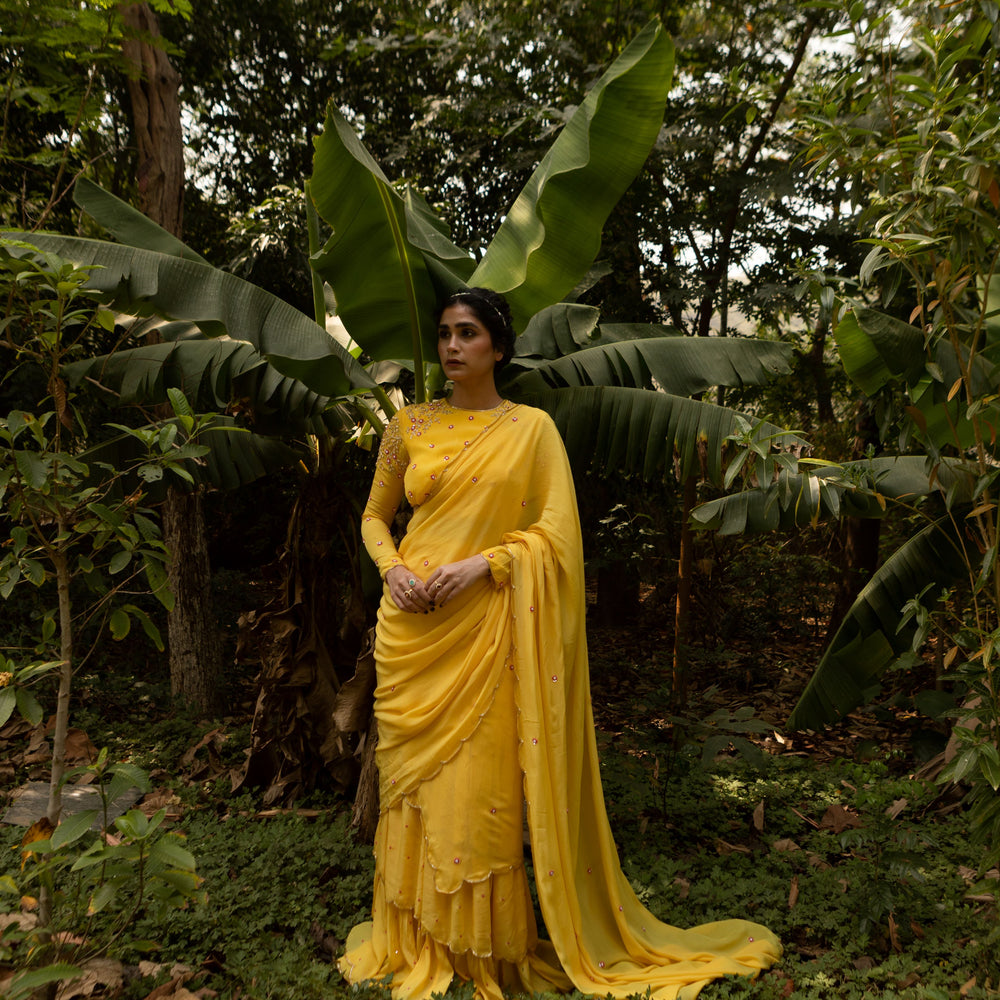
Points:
[(193, 635), (156, 121), (192, 630), (682, 614), (316, 682), (815, 360), (859, 537)]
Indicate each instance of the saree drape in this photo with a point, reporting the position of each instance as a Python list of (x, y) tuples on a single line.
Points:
[(485, 704)]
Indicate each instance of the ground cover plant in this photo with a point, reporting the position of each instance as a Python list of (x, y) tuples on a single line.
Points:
[(842, 843)]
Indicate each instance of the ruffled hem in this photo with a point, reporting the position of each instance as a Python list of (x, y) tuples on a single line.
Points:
[(429, 926), (468, 905), (419, 965)]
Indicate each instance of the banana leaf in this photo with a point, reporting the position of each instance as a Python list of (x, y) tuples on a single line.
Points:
[(211, 374), (137, 281), (552, 232), (682, 366), (376, 259), (871, 637), (127, 224), (876, 349), (390, 261), (854, 489), (644, 432)]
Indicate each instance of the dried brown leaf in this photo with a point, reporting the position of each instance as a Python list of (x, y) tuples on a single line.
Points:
[(793, 892), (98, 974), (758, 817), (838, 819), (724, 847), (79, 749), (784, 844), (896, 808), (894, 934)]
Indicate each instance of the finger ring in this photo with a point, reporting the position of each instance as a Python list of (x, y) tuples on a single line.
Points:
[(407, 593), (412, 582), (438, 586)]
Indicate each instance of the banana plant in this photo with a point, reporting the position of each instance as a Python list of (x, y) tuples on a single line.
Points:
[(619, 393)]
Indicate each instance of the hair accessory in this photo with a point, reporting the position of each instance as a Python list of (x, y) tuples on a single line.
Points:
[(478, 299)]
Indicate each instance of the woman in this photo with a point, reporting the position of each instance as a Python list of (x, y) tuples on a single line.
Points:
[(483, 706)]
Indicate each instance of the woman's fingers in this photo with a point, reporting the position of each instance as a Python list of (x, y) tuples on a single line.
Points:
[(408, 591)]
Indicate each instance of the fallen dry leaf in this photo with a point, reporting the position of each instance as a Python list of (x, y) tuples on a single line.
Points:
[(209, 739), (864, 963), (41, 829), (896, 808), (24, 921), (758, 817), (907, 981), (793, 892), (838, 819), (683, 887), (161, 798), (894, 934), (98, 973), (79, 749), (967, 987), (724, 847), (784, 844)]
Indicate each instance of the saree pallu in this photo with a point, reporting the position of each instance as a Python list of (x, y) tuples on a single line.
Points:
[(481, 706)]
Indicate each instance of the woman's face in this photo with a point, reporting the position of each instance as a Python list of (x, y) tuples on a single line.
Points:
[(465, 346)]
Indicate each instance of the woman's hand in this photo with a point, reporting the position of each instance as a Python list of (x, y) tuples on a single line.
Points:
[(408, 590), (449, 581)]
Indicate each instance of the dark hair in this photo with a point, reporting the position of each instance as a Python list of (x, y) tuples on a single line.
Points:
[(492, 311)]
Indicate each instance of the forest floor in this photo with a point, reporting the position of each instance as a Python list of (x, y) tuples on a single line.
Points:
[(841, 842)]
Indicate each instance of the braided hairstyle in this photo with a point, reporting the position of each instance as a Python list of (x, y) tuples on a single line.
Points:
[(492, 311)]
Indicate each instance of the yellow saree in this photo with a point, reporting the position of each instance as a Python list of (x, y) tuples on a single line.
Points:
[(484, 705)]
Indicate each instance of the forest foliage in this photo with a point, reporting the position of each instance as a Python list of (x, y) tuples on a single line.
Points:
[(767, 229)]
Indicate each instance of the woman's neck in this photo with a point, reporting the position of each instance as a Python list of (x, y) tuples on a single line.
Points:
[(475, 397)]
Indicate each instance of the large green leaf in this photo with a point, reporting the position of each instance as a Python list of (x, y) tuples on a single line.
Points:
[(390, 261), (127, 224), (376, 261), (642, 431), (568, 327), (876, 349), (870, 637), (211, 374), (854, 489), (137, 280), (552, 232), (681, 366)]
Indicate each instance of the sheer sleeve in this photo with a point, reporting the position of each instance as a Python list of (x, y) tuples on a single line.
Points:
[(384, 498)]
